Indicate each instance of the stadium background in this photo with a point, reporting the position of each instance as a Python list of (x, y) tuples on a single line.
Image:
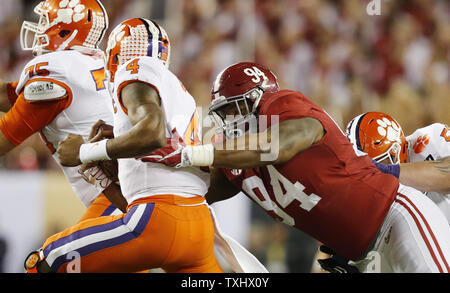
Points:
[(335, 53)]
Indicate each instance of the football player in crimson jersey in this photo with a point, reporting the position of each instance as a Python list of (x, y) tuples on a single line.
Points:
[(316, 182), (381, 137), (62, 90)]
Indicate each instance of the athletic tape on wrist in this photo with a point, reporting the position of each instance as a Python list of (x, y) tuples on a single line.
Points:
[(203, 155), (92, 152)]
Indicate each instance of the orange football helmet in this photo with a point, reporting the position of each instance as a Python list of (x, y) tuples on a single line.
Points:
[(134, 38), (380, 136), (65, 24)]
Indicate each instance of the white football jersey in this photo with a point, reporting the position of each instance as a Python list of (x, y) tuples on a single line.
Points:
[(139, 179), (429, 144), (83, 77)]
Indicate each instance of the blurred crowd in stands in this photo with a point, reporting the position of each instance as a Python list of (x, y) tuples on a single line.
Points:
[(332, 51), (343, 59)]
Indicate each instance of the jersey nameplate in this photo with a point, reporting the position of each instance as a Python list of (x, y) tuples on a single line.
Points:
[(43, 91)]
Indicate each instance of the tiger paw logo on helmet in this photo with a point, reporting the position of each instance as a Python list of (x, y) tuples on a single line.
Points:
[(71, 11), (389, 129)]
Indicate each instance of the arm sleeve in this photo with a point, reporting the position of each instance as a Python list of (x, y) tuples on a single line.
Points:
[(25, 119)]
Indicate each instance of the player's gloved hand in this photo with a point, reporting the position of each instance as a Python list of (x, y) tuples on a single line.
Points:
[(336, 263), (175, 154)]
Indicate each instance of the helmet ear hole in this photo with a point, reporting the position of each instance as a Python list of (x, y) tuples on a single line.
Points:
[(89, 15), (64, 33), (116, 59)]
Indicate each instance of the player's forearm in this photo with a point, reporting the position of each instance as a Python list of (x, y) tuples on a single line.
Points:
[(245, 159), (276, 146), (248, 151), (146, 136), (238, 159), (429, 176)]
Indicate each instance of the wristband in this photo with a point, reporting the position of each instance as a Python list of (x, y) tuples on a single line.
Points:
[(93, 152), (202, 155)]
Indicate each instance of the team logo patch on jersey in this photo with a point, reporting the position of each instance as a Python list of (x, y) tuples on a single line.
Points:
[(421, 144)]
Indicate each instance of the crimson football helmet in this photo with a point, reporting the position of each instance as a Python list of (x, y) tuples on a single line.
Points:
[(134, 38), (380, 136), (242, 86), (65, 24)]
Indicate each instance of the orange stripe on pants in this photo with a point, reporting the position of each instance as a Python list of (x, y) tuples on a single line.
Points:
[(174, 238)]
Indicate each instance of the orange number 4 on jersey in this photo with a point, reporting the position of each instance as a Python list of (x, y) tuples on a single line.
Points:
[(133, 66)]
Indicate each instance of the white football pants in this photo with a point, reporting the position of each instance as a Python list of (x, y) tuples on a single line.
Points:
[(414, 237)]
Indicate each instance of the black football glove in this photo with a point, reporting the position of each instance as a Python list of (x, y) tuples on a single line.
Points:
[(336, 263)]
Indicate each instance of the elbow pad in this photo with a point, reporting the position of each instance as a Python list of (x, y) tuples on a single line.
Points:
[(44, 90)]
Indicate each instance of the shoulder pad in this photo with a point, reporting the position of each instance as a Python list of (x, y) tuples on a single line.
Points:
[(44, 90)]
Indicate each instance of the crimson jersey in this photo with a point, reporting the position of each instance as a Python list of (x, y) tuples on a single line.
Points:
[(327, 191)]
